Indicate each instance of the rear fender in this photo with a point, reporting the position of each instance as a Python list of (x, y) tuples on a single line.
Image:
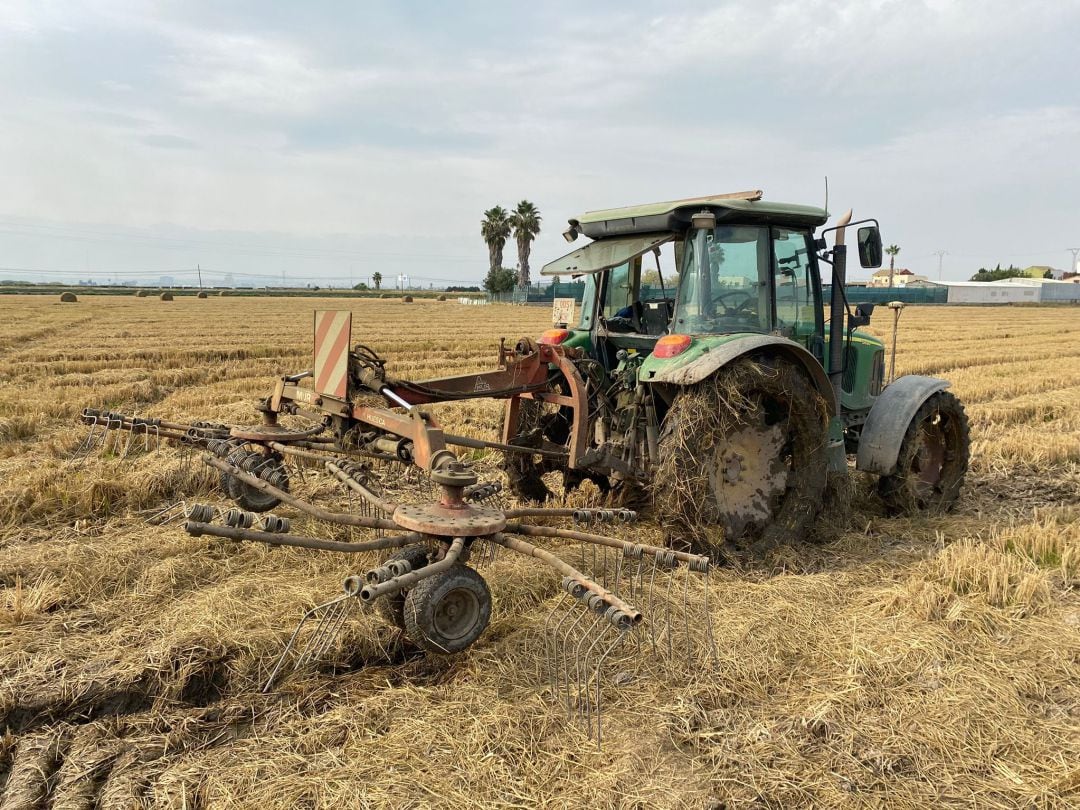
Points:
[(885, 426), (698, 369)]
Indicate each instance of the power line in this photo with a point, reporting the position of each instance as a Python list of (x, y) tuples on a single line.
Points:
[(941, 254)]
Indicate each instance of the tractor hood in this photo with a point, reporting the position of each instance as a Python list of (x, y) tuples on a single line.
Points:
[(604, 254)]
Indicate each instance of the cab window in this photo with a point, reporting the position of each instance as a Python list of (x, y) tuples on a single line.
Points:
[(792, 280), (728, 289)]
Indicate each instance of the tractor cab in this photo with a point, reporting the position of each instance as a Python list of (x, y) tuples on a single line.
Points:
[(659, 269)]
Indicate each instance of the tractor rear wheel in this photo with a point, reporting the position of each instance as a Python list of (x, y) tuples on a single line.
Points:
[(524, 471), (933, 459), (447, 612), (745, 452)]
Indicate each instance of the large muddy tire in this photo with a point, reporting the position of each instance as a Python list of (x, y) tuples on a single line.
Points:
[(933, 459), (392, 607), (743, 458), (448, 612)]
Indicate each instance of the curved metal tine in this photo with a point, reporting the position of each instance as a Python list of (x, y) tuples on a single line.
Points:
[(686, 617), (325, 631), (588, 677), (709, 635), (169, 514), (84, 448), (292, 640), (566, 658), (333, 628), (588, 634), (649, 605), (556, 643), (599, 663), (549, 639)]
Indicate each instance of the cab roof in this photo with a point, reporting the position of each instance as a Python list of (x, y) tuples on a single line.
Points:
[(675, 215)]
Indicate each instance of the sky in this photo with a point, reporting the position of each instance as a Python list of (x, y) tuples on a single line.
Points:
[(321, 142)]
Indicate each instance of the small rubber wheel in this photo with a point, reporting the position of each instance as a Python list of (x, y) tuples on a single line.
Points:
[(448, 612), (248, 497), (933, 459), (392, 607)]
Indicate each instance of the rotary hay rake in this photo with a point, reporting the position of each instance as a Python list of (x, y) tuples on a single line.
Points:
[(622, 602)]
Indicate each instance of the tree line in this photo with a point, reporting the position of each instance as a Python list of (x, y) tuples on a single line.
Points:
[(497, 226)]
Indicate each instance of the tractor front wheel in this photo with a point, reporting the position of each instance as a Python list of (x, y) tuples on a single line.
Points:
[(744, 452), (933, 459)]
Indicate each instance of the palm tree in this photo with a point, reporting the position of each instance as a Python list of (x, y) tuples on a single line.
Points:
[(377, 278), (526, 224), (892, 250), (495, 228)]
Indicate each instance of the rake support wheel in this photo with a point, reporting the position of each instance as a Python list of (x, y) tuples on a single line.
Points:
[(248, 497), (933, 459), (449, 611), (744, 452)]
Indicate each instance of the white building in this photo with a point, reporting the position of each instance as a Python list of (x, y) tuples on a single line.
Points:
[(983, 292), (1049, 289)]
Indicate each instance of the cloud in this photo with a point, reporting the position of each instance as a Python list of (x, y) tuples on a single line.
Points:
[(290, 123)]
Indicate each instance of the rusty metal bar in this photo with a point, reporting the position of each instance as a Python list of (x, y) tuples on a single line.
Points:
[(195, 529), (529, 550), (483, 444), (372, 591), (303, 506), (601, 540)]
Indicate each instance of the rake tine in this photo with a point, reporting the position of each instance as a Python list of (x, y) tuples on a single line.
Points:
[(324, 632), (589, 677), (548, 641), (651, 602), (599, 714), (578, 660), (565, 658), (292, 639), (686, 617)]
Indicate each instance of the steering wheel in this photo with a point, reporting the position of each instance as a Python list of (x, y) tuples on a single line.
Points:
[(733, 310)]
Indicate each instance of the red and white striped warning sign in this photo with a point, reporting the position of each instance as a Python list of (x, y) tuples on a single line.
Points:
[(333, 330)]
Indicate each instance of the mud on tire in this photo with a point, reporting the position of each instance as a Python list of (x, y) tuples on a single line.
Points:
[(933, 459), (743, 457)]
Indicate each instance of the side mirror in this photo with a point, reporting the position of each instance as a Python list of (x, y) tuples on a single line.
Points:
[(861, 315), (870, 246)]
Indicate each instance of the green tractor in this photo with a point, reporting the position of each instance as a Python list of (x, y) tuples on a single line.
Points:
[(719, 384)]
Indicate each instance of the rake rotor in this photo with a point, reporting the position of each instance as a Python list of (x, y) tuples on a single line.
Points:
[(410, 497)]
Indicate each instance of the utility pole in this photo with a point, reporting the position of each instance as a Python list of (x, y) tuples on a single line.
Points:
[(198, 267), (941, 254), (1074, 252)]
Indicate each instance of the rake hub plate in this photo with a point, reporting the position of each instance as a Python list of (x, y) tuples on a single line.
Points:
[(450, 521)]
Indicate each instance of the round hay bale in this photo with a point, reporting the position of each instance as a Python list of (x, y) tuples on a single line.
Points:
[(384, 295), (407, 299), (442, 298), (69, 298), (224, 292), (202, 294), (142, 294), (166, 296)]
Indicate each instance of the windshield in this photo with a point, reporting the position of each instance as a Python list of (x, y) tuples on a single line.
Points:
[(727, 289)]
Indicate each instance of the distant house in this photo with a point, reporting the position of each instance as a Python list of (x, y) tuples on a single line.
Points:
[(902, 277)]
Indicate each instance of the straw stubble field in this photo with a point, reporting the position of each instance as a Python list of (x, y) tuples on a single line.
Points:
[(904, 663)]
